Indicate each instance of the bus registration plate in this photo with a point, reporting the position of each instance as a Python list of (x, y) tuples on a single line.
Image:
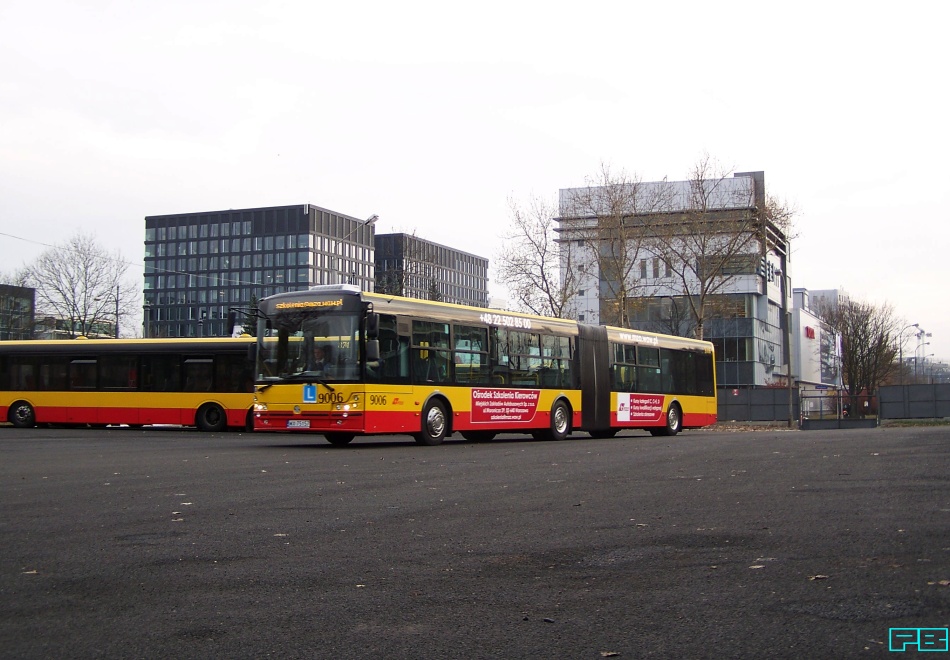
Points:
[(298, 423)]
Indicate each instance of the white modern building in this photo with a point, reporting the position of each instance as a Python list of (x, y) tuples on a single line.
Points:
[(748, 314), (816, 350)]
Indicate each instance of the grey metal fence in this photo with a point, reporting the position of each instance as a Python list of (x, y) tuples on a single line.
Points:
[(915, 401), (757, 405)]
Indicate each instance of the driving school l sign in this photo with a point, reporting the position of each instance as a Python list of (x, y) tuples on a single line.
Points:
[(504, 405)]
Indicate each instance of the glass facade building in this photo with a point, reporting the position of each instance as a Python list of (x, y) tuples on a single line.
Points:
[(17, 311), (407, 265), (198, 266)]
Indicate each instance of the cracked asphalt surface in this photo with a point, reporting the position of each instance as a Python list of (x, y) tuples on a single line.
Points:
[(122, 543)]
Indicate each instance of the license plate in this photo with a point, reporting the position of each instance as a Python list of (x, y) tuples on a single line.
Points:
[(298, 423)]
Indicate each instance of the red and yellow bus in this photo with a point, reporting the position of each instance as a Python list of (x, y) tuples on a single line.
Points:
[(343, 363), (205, 383)]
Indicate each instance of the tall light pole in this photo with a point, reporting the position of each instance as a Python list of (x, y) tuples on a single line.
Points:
[(337, 263), (919, 346), (116, 311), (116, 297), (900, 347)]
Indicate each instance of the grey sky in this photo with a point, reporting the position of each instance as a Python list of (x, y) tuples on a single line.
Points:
[(432, 115)]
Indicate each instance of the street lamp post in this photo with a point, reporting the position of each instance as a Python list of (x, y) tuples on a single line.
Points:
[(919, 346), (115, 296), (337, 263), (147, 308), (900, 346)]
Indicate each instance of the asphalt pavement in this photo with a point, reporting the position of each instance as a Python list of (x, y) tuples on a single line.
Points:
[(131, 543)]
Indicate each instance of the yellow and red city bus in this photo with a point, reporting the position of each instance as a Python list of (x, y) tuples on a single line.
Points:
[(341, 362), (206, 383)]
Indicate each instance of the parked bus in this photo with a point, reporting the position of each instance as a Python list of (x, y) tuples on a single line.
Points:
[(206, 383), (341, 362)]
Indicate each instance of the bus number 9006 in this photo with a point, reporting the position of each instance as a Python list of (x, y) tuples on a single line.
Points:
[(329, 397), (377, 399)]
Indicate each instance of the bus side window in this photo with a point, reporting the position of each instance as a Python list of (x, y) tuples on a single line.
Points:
[(231, 374), (198, 374), (430, 365), (21, 374), (470, 344), (160, 373), (393, 363), (498, 341), (82, 374)]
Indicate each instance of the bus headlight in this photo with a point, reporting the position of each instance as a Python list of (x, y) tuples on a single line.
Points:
[(260, 407)]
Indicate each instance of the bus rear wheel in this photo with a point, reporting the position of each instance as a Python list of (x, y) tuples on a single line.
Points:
[(22, 415), (560, 422), (211, 417), (434, 424), (674, 422)]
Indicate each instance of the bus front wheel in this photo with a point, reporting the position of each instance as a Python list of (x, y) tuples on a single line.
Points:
[(339, 439), (211, 417), (478, 436), (22, 415), (434, 424)]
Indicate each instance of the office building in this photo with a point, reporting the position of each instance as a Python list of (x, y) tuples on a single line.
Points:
[(625, 273), (198, 266), (17, 309), (407, 265)]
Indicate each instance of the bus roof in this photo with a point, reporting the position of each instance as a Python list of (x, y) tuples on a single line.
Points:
[(455, 313)]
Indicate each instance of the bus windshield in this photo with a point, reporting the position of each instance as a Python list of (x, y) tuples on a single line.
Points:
[(307, 345)]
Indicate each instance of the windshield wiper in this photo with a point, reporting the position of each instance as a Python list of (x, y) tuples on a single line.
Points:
[(308, 375), (325, 384)]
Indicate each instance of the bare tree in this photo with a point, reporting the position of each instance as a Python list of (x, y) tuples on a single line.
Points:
[(711, 230), (868, 344), (530, 262), (434, 293), (673, 317), (19, 277), (604, 218), (82, 284)]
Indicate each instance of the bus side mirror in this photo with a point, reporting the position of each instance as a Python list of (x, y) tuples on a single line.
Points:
[(372, 350), (232, 321), (372, 326)]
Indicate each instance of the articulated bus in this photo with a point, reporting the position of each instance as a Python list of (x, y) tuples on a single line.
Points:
[(206, 383), (343, 363)]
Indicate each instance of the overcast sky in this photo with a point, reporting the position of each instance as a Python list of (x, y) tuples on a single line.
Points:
[(434, 115)]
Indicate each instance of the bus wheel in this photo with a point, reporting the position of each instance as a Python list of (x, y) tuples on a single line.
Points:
[(211, 417), (434, 424), (22, 415), (674, 421), (478, 436), (339, 439), (560, 421)]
